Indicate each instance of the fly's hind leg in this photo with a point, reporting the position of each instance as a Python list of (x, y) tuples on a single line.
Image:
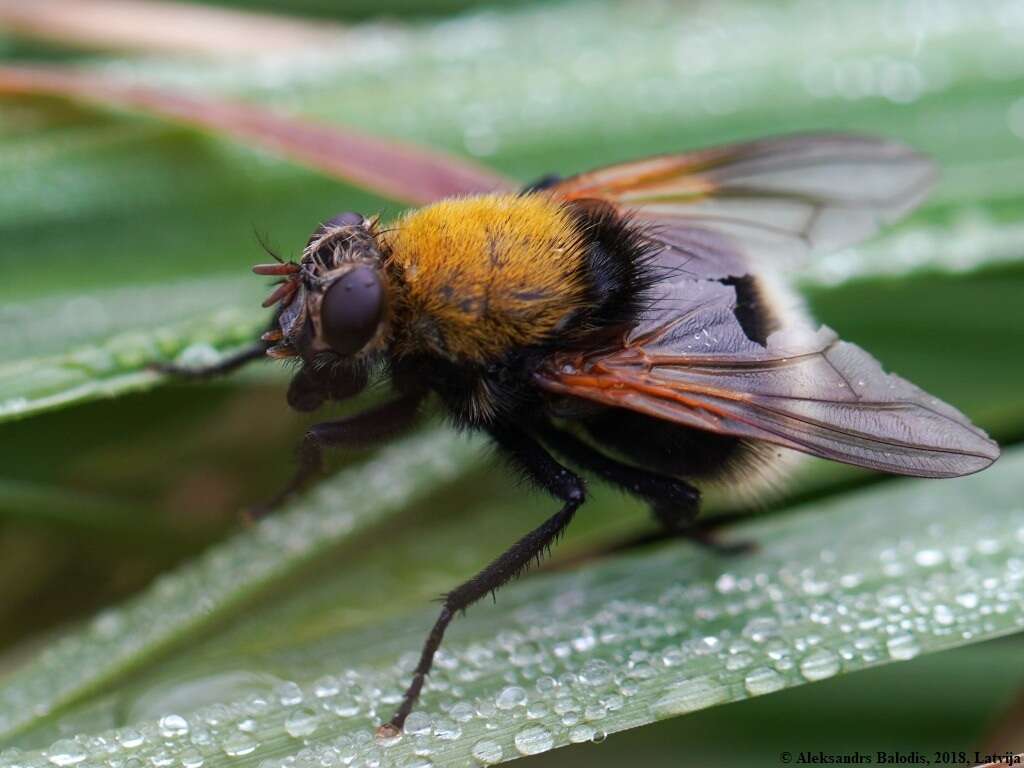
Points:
[(701, 532), (531, 458), (674, 502)]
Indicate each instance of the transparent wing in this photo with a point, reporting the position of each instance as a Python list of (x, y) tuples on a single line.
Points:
[(775, 199), (690, 362)]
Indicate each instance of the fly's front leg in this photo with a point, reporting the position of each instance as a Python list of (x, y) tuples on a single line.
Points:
[(356, 431), (531, 458), (222, 367), (255, 351)]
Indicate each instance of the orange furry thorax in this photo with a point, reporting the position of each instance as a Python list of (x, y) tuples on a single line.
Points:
[(476, 277)]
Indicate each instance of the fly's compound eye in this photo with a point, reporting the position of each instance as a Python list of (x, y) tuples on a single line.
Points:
[(347, 219), (352, 309)]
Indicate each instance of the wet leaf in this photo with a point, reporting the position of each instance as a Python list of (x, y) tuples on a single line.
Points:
[(874, 577), (88, 190), (220, 581)]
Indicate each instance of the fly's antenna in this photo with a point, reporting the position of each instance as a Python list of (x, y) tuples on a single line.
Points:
[(265, 246)]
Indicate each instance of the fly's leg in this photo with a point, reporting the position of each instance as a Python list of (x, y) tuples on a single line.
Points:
[(222, 367), (701, 532), (538, 465), (255, 351), (676, 499), (674, 502), (362, 429)]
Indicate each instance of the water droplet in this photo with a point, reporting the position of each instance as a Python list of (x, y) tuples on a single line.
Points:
[(537, 709), (417, 724), (596, 672), (325, 687), (598, 736), (533, 740), (302, 722), (418, 762), (819, 665), (763, 680), (581, 733), (129, 738), (239, 744), (510, 698), (289, 694), (388, 735), (191, 758), (462, 712), (546, 684), (929, 557), (943, 615), (66, 752), (487, 752), (738, 662), (968, 600), (902, 647), (447, 730), (689, 696), (172, 726), (761, 629), (673, 657)]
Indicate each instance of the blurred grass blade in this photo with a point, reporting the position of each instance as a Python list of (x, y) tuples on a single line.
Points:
[(157, 26), (87, 191), (874, 577), (394, 169), (230, 575), (86, 349)]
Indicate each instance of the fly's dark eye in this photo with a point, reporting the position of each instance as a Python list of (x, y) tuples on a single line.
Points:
[(352, 309), (347, 219)]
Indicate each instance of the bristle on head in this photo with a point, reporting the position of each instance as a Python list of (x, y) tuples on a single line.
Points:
[(281, 351)]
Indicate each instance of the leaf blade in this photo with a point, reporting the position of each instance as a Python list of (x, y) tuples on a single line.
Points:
[(654, 635)]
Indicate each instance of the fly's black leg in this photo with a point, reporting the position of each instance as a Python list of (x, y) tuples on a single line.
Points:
[(529, 456), (703, 533), (224, 366), (674, 503), (359, 430), (255, 351)]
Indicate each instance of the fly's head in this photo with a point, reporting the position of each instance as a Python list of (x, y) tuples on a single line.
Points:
[(334, 302)]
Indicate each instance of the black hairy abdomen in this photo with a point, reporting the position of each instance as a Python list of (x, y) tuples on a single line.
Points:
[(663, 446)]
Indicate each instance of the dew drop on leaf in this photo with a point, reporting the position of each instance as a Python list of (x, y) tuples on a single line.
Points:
[(66, 752), (533, 740), (819, 665), (689, 696), (487, 752), (301, 722)]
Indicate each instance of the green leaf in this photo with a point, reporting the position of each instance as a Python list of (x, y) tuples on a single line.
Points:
[(875, 577), (89, 191), (230, 575), (127, 239)]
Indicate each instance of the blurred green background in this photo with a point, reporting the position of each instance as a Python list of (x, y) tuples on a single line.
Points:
[(123, 238)]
